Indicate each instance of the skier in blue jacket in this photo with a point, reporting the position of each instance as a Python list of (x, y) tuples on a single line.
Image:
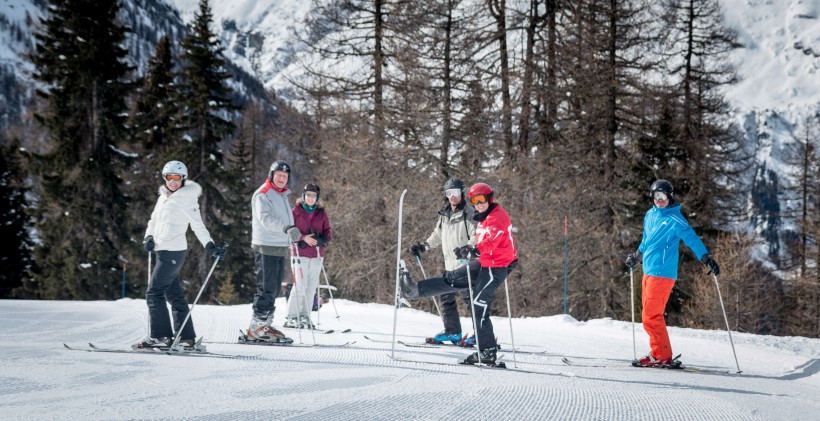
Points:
[(663, 229)]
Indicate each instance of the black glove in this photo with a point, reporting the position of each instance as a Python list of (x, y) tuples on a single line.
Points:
[(512, 265), (320, 239), (466, 252), (293, 233), (633, 259), (709, 261), (213, 251), (148, 243), (418, 248)]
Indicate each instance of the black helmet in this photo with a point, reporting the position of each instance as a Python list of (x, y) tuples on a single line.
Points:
[(454, 183), (662, 186), (279, 166), (313, 188)]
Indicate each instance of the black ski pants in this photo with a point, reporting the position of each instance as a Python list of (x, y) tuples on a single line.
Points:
[(485, 283), (449, 310), (269, 273), (165, 286)]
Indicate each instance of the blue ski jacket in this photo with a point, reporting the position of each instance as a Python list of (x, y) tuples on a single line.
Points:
[(663, 229)]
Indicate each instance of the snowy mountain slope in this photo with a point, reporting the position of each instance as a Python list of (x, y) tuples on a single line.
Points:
[(42, 380)]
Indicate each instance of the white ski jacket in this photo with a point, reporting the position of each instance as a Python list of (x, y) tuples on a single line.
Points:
[(173, 214)]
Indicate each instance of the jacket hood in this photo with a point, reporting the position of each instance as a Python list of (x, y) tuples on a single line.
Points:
[(190, 189)]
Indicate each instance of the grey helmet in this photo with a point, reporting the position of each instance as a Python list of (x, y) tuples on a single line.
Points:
[(175, 167)]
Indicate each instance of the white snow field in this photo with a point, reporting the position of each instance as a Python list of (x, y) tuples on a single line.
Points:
[(40, 379)]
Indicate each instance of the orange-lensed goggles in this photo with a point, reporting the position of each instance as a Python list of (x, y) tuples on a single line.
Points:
[(173, 177), (478, 199)]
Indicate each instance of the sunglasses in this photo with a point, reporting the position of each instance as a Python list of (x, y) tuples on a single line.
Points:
[(452, 192), (173, 177), (659, 195), (478, 199)]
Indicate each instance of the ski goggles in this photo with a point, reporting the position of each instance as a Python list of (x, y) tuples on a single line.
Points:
[(659, 195), (311, 195), (173, 177), (452, 192), (478, 199)]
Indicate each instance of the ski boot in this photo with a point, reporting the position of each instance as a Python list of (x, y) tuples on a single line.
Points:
[(487, 357), (467, 342), (445, 336), (650, 361), (157, 343), (260, 330), (409, 289), (305, 323)]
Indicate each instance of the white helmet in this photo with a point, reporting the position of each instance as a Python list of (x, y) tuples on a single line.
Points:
[(175, 167)]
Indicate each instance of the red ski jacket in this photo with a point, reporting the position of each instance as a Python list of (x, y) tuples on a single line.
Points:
[(494, 239)]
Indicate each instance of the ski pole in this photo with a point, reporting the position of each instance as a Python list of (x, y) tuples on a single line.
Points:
[(330, 291), (424, 276), (175, 344), (472, 311), (398, 266), (509, 317), (318, 305), (727, 323), (632, 304)]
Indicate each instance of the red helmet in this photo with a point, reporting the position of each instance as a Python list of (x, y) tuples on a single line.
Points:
[(478, 190)]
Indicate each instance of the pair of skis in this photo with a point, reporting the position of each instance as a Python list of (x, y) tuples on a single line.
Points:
[(189, 352)]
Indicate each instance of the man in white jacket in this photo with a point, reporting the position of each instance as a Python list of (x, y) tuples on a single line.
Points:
[(273, 233), (176, 209)]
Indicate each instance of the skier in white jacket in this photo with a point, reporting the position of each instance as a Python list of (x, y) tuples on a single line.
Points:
[(176, 209)]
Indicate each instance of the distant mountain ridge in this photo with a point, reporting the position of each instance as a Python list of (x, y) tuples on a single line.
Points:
[(778, 63)]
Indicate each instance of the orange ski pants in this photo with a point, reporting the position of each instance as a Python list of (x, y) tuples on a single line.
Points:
[(655, 294)]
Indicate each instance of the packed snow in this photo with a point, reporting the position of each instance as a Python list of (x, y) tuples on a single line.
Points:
[(41, 379)]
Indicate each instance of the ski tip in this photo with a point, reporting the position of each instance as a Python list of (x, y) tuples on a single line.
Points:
[(66, 345), (327, 332), (346, 331)]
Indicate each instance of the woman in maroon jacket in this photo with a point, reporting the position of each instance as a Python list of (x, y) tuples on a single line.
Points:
[(495, 248), (313, 223)]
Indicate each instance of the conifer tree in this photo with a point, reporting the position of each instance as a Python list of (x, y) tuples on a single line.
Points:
[(156, 130), (80, 61), (206, 117), (156, 113), (15, 249)]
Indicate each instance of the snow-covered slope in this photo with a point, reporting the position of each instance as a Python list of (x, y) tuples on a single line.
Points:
[(41, 379), (779, 62)]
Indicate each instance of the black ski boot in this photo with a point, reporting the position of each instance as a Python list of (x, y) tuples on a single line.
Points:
[(409, 289), (488, 357)]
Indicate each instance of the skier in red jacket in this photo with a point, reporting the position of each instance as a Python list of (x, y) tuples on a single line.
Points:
[(495, 248)]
